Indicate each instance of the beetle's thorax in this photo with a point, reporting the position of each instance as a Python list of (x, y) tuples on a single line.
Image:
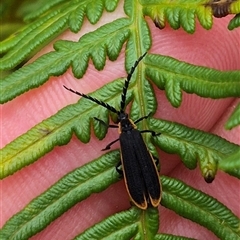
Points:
[(125, 124)]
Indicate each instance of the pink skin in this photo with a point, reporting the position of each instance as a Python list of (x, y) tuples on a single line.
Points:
[(216, 48)]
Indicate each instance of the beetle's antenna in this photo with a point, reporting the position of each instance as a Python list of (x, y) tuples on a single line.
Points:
[(112, 109), (125, 87)]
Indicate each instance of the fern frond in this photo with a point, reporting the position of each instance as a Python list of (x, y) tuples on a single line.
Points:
[(108, 40), (173, 76), (234, 23), (234, 119), (183, 13), (46, 27), (193, 146)]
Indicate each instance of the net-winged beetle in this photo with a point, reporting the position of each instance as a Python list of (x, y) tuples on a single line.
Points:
[(138, 166)]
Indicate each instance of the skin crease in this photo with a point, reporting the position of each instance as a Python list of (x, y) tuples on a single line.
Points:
[(215, 48)]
